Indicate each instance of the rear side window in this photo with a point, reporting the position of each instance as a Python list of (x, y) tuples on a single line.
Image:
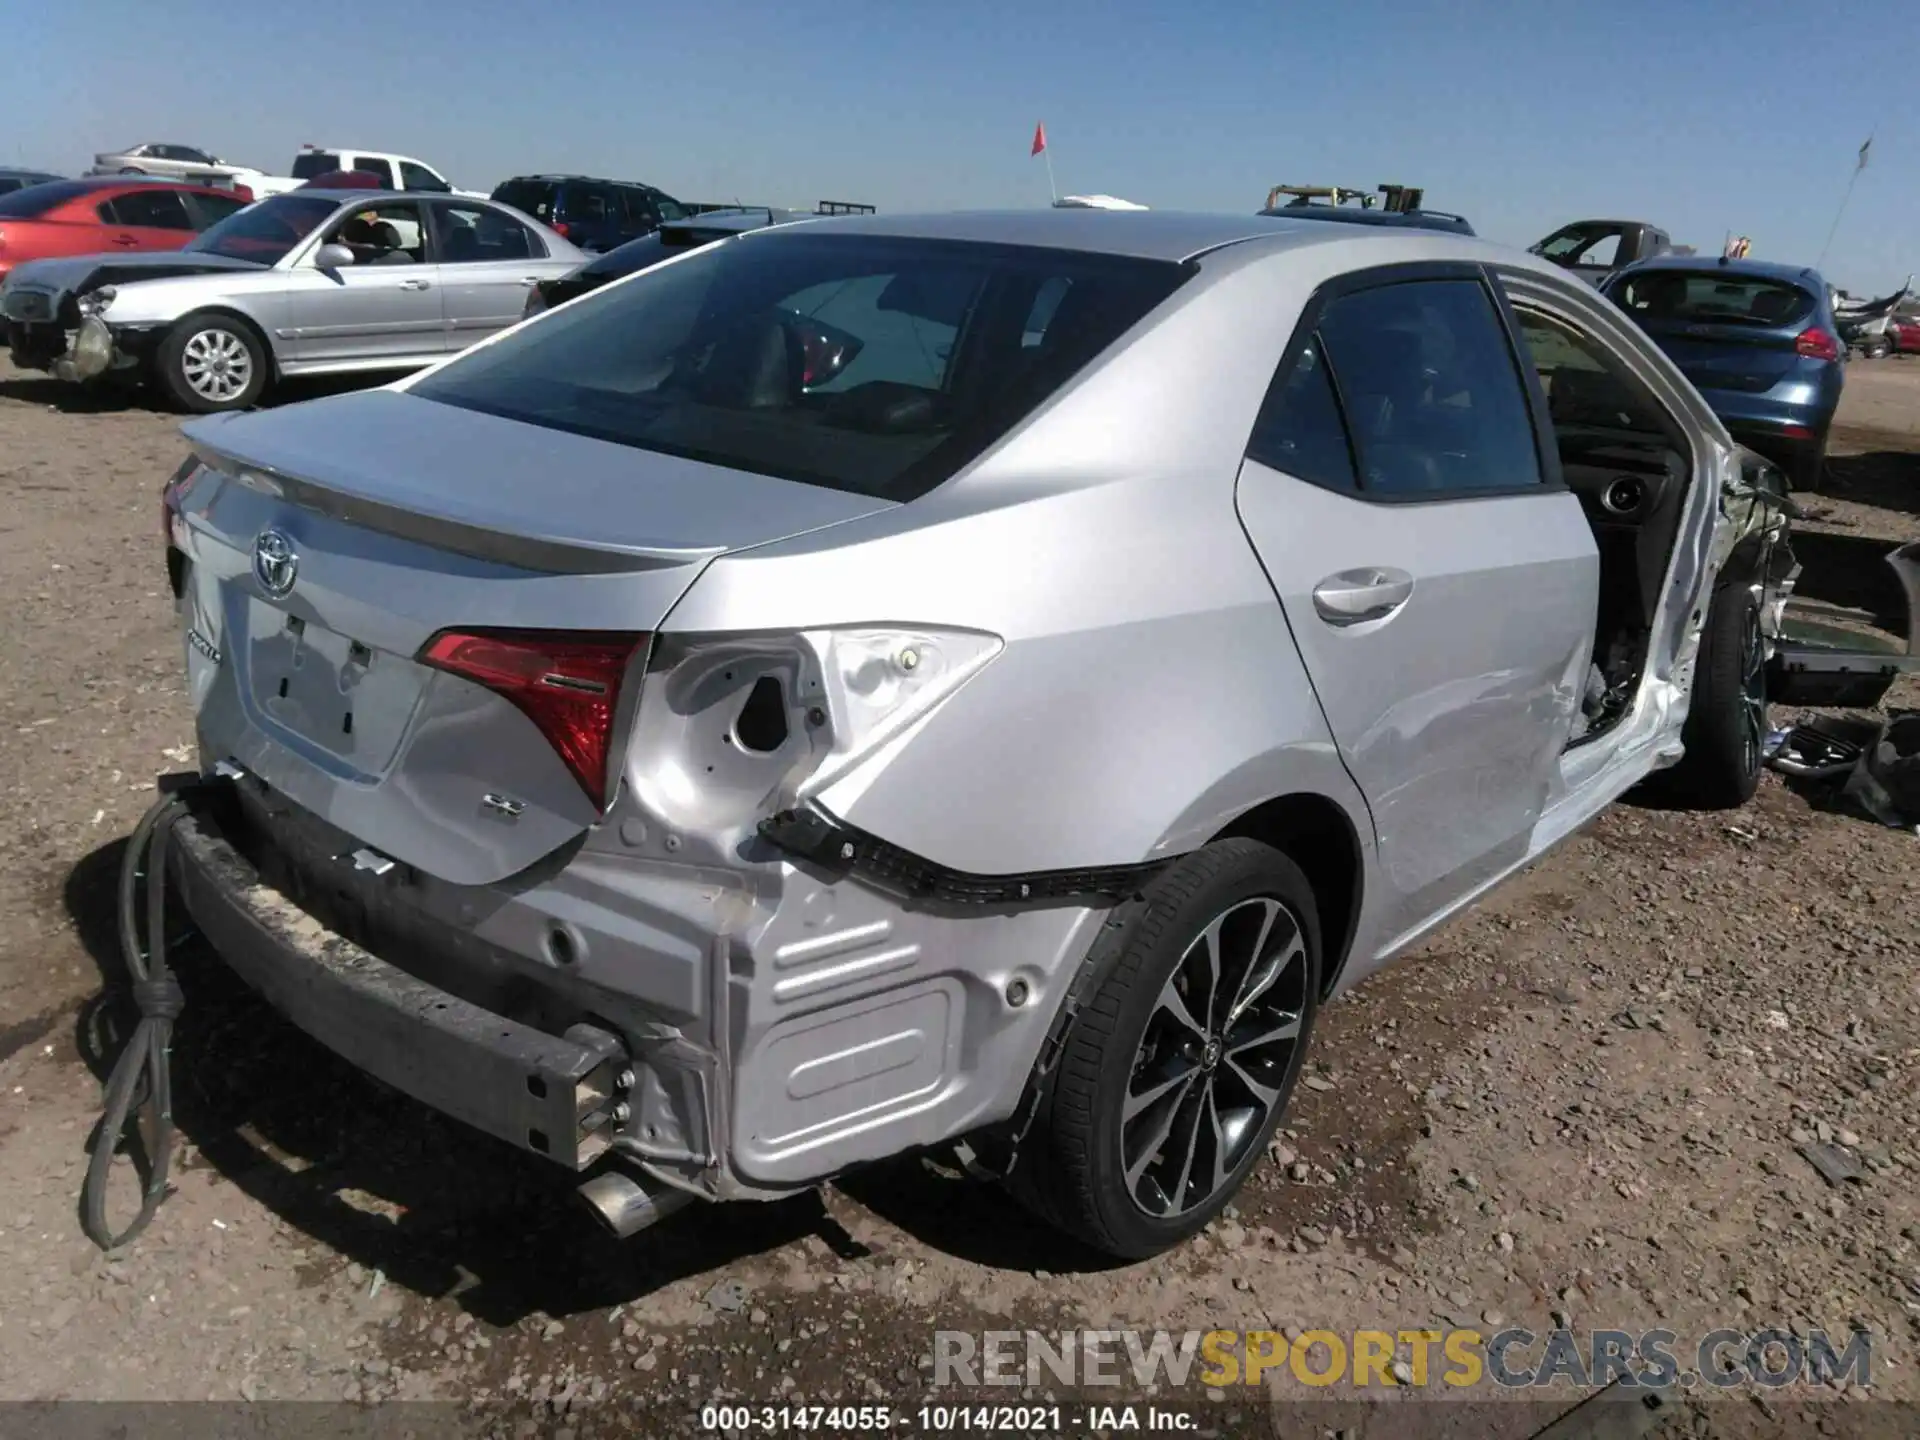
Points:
[(152, 209), (1300, 430), (1712, 298), (1411, 387), (212, 209), (36, 200), (310, 164), (382, 170), (530, 197), (873, 365)]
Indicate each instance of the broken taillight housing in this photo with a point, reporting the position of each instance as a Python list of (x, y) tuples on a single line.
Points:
[(567, 683), (171, 495)]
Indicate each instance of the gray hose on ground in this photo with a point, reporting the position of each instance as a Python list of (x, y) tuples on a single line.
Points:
[(157, 996)]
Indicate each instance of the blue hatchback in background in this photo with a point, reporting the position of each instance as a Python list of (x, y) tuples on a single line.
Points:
[(1757, 340)]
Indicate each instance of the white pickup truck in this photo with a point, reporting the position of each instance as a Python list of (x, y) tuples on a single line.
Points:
[(395, 172)]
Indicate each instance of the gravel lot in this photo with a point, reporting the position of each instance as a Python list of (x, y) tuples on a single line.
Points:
[(1582, 1102)]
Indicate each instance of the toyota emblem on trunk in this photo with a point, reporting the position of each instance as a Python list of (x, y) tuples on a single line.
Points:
[(274, 563)]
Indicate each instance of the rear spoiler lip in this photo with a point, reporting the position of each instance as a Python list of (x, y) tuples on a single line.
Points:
[(547, 554)]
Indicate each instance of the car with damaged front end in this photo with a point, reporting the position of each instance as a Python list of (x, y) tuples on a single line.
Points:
[(979, 680), (314, 282)]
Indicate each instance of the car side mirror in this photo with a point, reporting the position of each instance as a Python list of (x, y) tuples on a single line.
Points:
[(332, 256)]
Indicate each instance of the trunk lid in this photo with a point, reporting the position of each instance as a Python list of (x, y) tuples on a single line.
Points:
[(329, 542), (1729, 357)]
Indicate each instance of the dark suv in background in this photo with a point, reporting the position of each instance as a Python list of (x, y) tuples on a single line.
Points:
[(593, 214)]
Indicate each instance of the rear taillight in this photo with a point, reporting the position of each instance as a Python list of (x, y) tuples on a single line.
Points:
[(1817, 344), (243, 192), (567, 684), (559, 227), (536, 302)]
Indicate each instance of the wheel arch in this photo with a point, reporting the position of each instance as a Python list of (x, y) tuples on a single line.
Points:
[(1317, 834)]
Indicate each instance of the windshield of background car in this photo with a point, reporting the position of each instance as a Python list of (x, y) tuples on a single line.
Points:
[(37, 200), (1710, 297), (873, 365), (265, 232)]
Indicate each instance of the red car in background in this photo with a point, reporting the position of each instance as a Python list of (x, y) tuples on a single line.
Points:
[(1904, 332), (104, 214)]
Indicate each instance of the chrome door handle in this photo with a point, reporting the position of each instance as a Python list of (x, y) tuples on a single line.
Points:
[(1354, 597), (415, 284)]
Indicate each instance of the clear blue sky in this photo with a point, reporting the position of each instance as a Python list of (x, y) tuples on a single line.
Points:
[(1706, 115)]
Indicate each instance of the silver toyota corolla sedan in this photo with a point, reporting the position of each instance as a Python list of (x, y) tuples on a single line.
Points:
[(314, 282), (979, 678)]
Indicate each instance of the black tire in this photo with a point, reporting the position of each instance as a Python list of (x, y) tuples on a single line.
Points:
[(1878, 347), (194, 347), (1072, 1166), (1727, 716), (1809, 473)]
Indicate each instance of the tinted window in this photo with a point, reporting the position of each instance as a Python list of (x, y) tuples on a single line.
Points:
[(267, 231), (669, 208), (211, 209), (468, 234), (632, 256), (877, 366), (639, 209), (418, 177), (1300, 430), (309, 164), (1583, 388), (155, 209), (1430, 389), (382, 169), (1712, 298), (530, 197), (39, 199)]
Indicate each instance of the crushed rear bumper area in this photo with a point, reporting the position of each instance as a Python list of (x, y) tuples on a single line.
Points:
[(556, 1096)]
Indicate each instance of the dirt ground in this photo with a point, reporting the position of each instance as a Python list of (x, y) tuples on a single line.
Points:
[(1581, 1104)]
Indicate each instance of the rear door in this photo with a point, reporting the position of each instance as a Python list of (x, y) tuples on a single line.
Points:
[(488, 262), (1440, 581), (1727, 332), (384, 307), (150, 220)]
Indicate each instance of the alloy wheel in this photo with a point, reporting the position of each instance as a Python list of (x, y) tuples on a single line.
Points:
[(216, 365), (1215, 1059)]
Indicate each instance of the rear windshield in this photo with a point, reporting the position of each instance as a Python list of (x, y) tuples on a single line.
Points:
[(670, 239), (1712, 298), (39, 199), (873, 365), (530, 197), (267, 231)]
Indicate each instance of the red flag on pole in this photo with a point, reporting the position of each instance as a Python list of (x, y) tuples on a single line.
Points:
[(1039, 139)]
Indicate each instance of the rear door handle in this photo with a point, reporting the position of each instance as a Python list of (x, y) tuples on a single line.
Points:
[(415, 284), (1354, 597)]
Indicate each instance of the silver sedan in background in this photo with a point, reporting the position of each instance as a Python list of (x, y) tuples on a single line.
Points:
[(308, 283)]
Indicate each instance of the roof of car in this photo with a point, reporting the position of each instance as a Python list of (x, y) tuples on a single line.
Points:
[(1751, 269), (15, 170), (1141, 234), (345, 194)]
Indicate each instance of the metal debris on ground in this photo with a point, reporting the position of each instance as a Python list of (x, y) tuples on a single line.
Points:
[(728, 1297), (1879, 761), (1835, 1165)]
